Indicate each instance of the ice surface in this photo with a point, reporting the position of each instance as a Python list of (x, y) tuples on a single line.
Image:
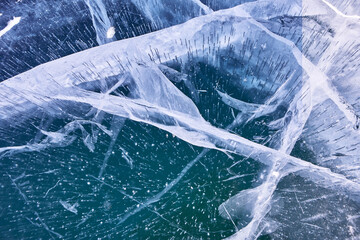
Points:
[(60, 28), (241, 123)]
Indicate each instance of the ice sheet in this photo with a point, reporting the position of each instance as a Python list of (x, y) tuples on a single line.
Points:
[(227, 83)]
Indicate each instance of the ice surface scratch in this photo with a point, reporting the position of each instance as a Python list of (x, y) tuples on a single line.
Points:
[(236, 228), (297, 200), (52, 188)]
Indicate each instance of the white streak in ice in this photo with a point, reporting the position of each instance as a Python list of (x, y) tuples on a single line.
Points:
[(101, 21), (339, 12), (205, 8), (10, 25)]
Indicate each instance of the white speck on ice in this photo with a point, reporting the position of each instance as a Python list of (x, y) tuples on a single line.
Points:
[(10, 25), (110, 32)]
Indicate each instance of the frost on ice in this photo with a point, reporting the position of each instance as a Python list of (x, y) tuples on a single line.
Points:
[(240, 123)]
